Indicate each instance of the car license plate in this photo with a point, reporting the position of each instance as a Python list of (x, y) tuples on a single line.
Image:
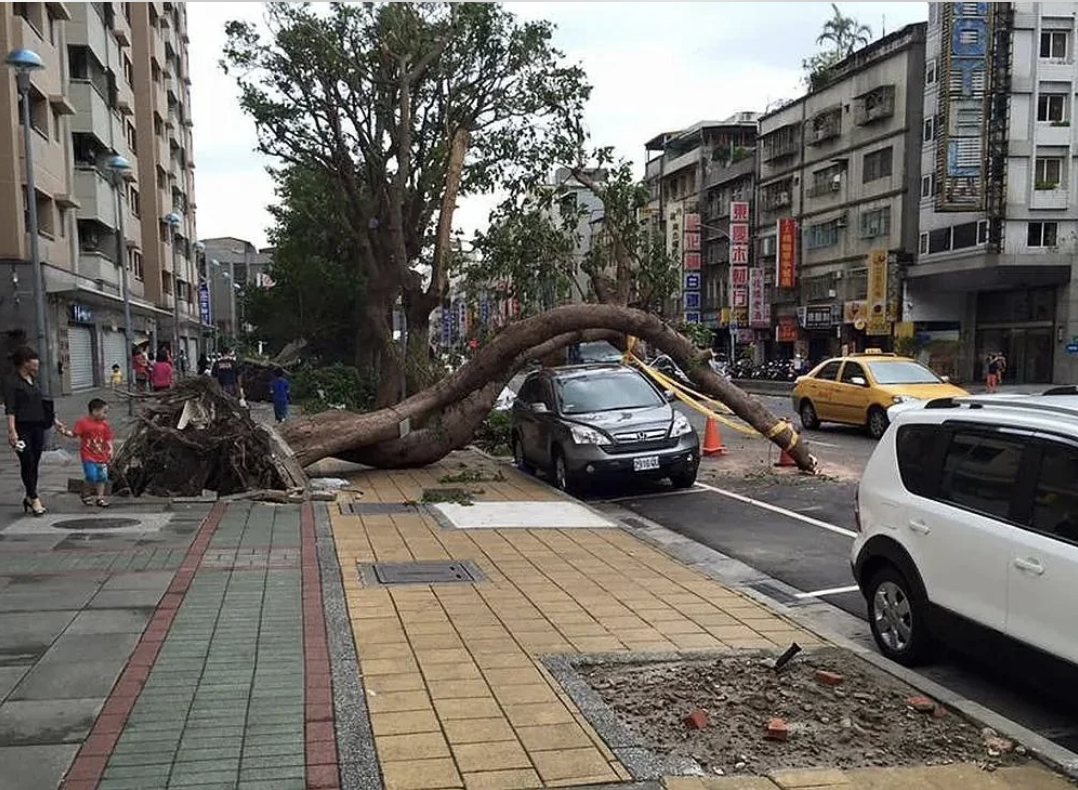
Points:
[(645, 464)]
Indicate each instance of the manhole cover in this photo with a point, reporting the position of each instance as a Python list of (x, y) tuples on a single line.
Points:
[(96, 523), (421, 573), (375, 508)]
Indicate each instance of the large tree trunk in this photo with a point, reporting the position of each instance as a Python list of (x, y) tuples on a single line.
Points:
[(332, 434)]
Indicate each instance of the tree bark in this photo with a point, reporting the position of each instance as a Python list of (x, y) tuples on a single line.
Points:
[(331, 434)]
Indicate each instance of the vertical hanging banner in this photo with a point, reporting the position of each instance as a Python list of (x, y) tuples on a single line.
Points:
[(786, 260), (690, 262), (877, 323), (759, 310), (447, 325)]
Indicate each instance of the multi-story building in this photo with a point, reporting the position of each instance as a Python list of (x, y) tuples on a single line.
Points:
[(678, 171), (232, 266), (999, 196), (113, 84), (579, 201), (842, 164)]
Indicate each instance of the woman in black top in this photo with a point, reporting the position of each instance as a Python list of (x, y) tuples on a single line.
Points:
[(29, 415)]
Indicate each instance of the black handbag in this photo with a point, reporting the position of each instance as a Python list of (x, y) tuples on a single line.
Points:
[(48, 408)]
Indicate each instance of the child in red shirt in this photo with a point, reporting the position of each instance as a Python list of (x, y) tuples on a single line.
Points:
[(96, 436)]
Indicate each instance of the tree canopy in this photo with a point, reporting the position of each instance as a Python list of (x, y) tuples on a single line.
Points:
[(842, 35)]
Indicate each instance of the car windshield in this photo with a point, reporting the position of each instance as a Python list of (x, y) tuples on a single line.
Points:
[(586, 394), (599, 351), (901, 372)]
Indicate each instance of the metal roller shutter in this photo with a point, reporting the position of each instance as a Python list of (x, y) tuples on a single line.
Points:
[(80, 341), (112, 353)]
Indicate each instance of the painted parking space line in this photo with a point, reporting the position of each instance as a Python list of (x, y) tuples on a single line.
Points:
[(827, 444), (657, 495), (831, 591), (815, 522)]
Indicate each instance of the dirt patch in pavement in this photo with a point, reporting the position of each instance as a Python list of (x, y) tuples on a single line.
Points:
[(867, 719)]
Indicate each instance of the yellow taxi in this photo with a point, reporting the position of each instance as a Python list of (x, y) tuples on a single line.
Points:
[(860, 388)]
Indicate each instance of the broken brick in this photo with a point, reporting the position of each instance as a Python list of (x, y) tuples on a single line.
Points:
[(777, 730), (696, 720), (939, 713), (921, 704), (828, 678)]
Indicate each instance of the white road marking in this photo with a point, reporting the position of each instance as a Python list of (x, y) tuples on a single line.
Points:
[(826, 444), (849, 533), (656, 495), (832, 591)]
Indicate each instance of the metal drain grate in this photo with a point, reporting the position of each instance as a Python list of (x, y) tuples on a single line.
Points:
[(96, 523), (375, 508), (391, 573)]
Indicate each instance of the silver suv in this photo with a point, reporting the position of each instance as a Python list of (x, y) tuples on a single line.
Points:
[(590, 422)]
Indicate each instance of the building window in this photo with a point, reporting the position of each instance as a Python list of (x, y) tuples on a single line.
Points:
[(922, 245), (982, 231), (877, 165), (1051, 107), (56, 125), (1042, 234), (136, 264), (930, 129), (39, 112), (129, 71), (823, 235), (928, 186), (1054, 44), (930, 71), (1048, 173), (875, 224), (132, 138), (133, 199)]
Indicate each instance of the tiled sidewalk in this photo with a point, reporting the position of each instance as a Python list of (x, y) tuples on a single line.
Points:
[(457, 697), (215, 693)]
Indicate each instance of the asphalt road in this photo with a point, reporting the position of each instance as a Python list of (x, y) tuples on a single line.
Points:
[(809, 549)]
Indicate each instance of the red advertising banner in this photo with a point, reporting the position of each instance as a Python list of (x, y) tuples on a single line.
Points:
[(692, 241), (692, 222), (739, 233), (739, 254), (786, 261), (741, 297), (739, 276), (739, 212), (692, 261), (759, 309)]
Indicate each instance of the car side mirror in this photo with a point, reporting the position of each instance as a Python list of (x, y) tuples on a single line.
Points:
[(671, 396), (859, 381), (945, 379), (540, 408)]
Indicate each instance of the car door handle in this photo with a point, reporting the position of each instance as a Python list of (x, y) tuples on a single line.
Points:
[(919, 526), (1032, 566)]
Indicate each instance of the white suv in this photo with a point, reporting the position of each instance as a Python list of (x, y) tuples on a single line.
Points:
[(968, 527)]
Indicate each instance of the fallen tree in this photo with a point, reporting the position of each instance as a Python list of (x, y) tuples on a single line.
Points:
[(451, 409)]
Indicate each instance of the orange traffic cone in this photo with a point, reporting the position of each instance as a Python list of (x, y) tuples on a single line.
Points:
[(712, 439), (785, 459)]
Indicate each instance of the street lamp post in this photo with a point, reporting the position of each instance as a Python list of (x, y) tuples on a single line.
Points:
[(200, 252), (172, 219), (24, 62), (120, 169)]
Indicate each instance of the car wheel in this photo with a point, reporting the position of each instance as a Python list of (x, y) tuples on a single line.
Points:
[(563, 481), (877, 422), (686, 478), (897, 618), (518, 457), (810, 421)]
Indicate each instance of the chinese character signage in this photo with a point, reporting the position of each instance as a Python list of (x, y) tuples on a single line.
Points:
[(739, 233), (741, 297), (739, 276), (692, 241), (692, 261), (447, 325), (877, 285), (204, 301), (739, 254), (759, 309), (692, 223), (739, 211), (692, 300), (692, 282), (786, 261)]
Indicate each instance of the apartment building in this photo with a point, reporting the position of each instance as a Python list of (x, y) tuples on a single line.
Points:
[(231, 266), (842, 165), (577, 200), (679, 166), (95, 98), (999, 197)]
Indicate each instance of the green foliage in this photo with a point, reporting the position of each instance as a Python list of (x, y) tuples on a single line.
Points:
[(456, 496), (473, 476), (701, 336), (843, 35), (494, 434), (318, 389), (817, 68)]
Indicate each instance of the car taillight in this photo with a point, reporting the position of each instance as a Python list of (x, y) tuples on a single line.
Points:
[(857, 510)]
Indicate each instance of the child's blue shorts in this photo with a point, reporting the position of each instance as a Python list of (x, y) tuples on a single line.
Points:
[(95, 472)]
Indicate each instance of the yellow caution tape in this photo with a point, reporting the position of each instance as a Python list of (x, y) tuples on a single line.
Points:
[(689, 390), (692, 403)]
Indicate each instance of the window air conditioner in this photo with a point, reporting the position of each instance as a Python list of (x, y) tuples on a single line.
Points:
[(841, 222), (836, 183)]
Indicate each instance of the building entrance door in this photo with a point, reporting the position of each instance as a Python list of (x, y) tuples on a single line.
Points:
[(1028, 351)]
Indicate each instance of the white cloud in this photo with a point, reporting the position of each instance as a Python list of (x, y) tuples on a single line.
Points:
[(654, 67)]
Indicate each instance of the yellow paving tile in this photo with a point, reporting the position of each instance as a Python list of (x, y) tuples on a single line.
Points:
[(442, 656), (502, 780), (547, 737), (418, 746), (525, 694), (471, 708), (579, 765), (397, 701), (808, 778), (421, 775), (406, 723), (440, 641), (388, 666), (514, 677), (478, 730), (459, 670), (499, 756), (538, 713), (383, 684), (457, 689), (503, 659), (388, 650)]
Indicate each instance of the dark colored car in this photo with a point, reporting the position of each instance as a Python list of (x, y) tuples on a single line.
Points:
[(595, 422), (596, 351)]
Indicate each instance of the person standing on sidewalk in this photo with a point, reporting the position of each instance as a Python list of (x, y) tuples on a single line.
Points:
[(226, 371), (161, 375), (141, 363), (994, 371), (95, 450), (280, 389), (29, 415)]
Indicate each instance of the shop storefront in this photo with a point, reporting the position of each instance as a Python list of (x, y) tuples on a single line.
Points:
[(1020, 325)]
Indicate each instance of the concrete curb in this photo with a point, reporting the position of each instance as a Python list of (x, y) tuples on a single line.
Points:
[(359, 768), (764, 387)]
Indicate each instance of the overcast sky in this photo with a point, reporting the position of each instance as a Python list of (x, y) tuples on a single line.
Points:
[(654, 67)]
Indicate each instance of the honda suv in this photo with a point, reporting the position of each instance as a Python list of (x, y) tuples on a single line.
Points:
[(968, 528), (589, 422)]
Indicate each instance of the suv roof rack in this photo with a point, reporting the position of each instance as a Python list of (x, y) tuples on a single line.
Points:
[(1026, 404), (950, 403), (1066, 389)]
